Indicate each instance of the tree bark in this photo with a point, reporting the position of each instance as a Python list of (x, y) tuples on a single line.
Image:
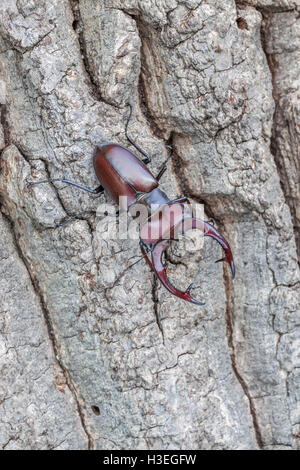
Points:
[(96, 356)]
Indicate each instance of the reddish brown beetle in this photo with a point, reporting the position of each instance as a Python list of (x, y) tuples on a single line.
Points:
[(121, 173)]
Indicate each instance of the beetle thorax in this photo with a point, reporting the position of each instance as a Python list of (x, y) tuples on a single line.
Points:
[(153, 200)]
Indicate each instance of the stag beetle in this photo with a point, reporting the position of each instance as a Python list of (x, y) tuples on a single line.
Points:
[(121, 173)]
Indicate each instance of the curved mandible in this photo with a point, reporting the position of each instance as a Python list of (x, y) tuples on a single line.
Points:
[(210, 231), (157, 266), (159, 269), (207, 229)]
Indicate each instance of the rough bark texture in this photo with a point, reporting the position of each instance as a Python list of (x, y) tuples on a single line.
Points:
[(90, 358)]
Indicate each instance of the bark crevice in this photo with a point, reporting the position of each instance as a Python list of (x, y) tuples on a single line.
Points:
[(279, 114), (274, 143), (51, 331), (229, 313), (79, 30), (229, 292)]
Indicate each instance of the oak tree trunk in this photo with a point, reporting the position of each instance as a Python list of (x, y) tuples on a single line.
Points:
[(93, 356)]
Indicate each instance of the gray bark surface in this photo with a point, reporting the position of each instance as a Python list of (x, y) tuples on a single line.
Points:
[(92, 356)]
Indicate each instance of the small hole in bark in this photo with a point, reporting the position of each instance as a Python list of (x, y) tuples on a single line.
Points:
[(242, 23), (95, 410), (75, 24)]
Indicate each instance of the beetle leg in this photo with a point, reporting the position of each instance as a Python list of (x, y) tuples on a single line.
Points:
[(162, 170), (147, 158), (164, 166), (98, 190), (157, 266), (73, 217), (145, 250), (181, 200)]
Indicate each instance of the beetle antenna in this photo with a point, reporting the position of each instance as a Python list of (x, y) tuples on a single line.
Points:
[(147, 158), (128, 267), (73, 217)]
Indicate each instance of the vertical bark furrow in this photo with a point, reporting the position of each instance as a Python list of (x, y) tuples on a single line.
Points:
[(283, 59)]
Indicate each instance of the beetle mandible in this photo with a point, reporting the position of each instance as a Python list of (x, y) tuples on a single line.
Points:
[(121, 173)]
